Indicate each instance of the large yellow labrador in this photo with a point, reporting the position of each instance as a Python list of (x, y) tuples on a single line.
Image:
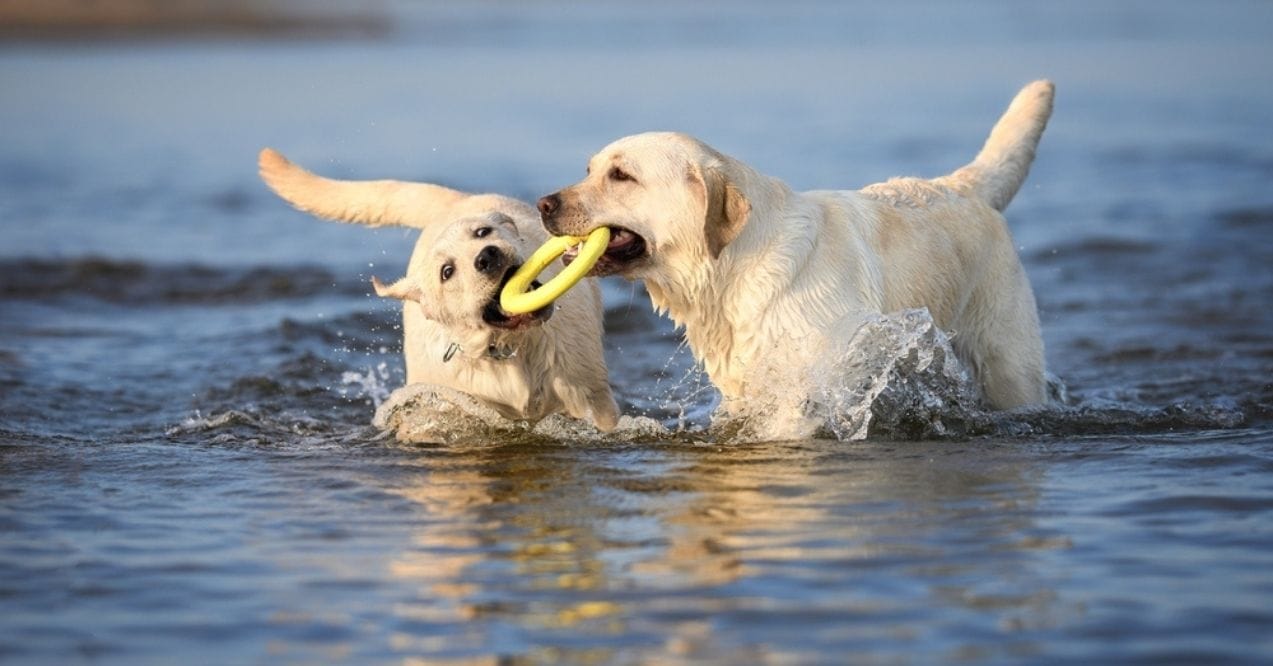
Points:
[(769, 282), (455, 335)]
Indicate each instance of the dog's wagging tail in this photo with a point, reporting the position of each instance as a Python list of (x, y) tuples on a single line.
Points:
[(998, 171)]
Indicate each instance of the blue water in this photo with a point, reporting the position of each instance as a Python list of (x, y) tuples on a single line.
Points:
[(188, 368)]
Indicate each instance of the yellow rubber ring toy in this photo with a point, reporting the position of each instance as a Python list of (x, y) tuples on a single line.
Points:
[(516, 300)]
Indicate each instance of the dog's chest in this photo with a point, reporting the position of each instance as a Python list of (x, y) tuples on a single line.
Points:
[(510, 382)]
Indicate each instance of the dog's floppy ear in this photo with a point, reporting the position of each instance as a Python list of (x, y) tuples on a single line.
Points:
[(405, 289), (726, 208)]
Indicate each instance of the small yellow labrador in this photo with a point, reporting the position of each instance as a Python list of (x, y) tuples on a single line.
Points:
[(455, 335), (768, 282)]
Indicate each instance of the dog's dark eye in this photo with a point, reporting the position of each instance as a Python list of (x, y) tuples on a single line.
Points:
[(481, 232), (619, 175), (447, 271)]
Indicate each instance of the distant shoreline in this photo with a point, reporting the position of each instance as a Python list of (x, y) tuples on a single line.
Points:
[(57, 20)]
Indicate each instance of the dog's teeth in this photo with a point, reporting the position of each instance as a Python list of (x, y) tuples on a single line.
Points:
[(620, 237)]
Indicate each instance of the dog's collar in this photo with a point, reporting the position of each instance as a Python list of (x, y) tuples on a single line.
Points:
[(493, 351)]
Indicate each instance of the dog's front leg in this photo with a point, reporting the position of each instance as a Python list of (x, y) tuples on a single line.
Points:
[(588, 403)]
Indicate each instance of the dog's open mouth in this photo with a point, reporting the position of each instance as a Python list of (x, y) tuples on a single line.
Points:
[(626, 247), (494, 315)]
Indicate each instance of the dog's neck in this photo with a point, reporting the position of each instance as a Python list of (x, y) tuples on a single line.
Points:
[(717, 299), (486, 344), (494, 352)]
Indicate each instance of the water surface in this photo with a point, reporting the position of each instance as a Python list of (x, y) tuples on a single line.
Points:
[(188, 368)]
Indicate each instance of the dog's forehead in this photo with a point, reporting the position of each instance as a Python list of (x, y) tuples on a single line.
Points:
[(651, 150), (665, 142), (452, 232), (611, 155), (465, 226)]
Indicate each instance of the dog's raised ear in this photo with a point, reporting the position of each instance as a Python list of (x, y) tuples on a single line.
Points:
[(725, 207), (405, 289)]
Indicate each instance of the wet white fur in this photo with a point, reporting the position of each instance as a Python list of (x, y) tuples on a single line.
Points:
[(558, 366), (768, 281)]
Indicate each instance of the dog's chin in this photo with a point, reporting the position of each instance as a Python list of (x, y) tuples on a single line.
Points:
[(496, 317), (626, 251)]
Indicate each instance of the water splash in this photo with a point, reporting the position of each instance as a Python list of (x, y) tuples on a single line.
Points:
[(373, 383), (692, 398), (424, 413), (898, 376)]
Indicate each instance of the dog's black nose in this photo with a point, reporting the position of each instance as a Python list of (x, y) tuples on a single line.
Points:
[(549, 204), (487, 260)]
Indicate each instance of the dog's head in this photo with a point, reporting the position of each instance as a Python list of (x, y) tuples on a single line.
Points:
[(669, 200), (457, 278)]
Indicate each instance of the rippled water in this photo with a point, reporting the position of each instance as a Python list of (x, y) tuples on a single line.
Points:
[(188, 369)]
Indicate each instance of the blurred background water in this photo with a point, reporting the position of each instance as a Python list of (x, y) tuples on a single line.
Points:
[(188, 367)]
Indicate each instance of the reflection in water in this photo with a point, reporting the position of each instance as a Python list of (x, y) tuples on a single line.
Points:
[(685, 551)]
